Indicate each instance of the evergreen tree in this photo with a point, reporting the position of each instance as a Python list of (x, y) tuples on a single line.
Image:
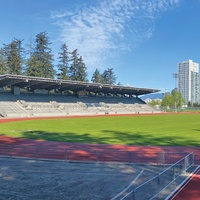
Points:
[(34, 67), (63, 65), (108, 77), (3, 66), (13, 56), (81, 70), (74, 66), (40, 62), (96, 77)]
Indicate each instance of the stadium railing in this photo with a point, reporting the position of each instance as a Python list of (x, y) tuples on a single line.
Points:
[(157, 187), (163, 184)]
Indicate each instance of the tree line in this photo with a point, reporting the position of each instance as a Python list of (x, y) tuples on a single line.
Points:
[(37, 60), (171, 100)]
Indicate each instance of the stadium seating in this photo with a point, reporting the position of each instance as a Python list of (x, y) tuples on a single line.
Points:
[(35, 105)]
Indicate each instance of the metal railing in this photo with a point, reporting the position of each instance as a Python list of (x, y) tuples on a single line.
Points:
[(156, 188), (160, 186)]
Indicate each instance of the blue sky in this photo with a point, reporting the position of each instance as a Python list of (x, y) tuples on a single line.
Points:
[(142, 40)]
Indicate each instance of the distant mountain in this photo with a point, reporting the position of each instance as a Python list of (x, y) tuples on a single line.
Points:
[(152, 96)]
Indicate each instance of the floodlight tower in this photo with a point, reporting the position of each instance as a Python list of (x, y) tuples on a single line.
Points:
[(175, 76)]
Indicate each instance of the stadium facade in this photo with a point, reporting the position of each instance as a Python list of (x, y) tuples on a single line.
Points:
[(25, 96), (44, 85)]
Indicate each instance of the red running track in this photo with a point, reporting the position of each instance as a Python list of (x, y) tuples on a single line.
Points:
[(190, 190)]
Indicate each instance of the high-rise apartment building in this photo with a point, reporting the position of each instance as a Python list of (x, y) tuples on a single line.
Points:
[(188, 81), (195, 88)]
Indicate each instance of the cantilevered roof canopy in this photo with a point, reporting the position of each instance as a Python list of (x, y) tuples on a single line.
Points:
[(65, 85)]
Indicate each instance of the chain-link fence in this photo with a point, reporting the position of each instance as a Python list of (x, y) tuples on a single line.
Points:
[(179, 109), (91, 154)]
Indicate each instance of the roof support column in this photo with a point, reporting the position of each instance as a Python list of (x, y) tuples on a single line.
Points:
[(16, 90)]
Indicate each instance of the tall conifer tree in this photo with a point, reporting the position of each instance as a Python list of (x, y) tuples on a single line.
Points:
[(13, 57), (74, 66), (40, 62), (108, 77), (96, 77), (63, 65), (3, 66), (81, 71)]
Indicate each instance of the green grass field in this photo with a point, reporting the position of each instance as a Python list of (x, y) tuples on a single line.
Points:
[(162, 130)]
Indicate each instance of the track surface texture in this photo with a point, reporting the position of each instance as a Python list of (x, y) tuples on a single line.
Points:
[(190, 191)]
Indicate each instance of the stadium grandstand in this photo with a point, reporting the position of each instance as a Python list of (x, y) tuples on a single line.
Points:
[(26, 96)]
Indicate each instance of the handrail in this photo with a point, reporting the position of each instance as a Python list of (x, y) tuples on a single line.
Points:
[(123, 191), (157, 176), (162, 172)]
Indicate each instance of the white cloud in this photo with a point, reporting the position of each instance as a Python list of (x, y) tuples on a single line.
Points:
[(102, 31)]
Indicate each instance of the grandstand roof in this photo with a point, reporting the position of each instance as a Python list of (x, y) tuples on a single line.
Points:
[(64, 85)]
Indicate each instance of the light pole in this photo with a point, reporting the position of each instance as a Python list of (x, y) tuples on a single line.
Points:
[(175, 76)]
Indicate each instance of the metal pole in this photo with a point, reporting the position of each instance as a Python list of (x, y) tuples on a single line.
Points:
[(175, 76)]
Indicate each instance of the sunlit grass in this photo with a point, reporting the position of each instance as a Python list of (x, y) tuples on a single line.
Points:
[(175, 129)]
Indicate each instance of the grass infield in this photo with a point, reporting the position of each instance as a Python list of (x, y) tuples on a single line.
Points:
[(159, 130)]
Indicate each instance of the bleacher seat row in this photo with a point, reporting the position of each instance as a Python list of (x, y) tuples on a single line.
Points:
[(38, 105)]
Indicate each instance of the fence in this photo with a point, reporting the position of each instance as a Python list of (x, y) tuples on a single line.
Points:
[(160, 186), (90, 154), (157, 187), (179, 109)]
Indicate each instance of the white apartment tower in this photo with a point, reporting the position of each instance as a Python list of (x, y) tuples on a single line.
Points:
[(188, 81)]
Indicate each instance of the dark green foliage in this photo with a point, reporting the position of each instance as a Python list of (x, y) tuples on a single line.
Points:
[(63, 65), (108, 76), (77, 71), (40, 62), (13, 57), (74, 66), (34, 67), (81, 72), (196, 104), (3, 66), (96, 77), (119, 84)]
